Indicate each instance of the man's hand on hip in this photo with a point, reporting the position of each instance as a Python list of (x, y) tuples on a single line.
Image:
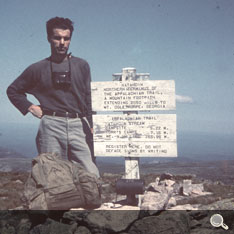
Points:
[(36, 111)]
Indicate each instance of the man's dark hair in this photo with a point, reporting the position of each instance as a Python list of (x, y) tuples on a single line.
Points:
[(58, 22)]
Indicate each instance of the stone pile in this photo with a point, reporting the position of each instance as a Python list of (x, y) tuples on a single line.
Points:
[(163, 194)]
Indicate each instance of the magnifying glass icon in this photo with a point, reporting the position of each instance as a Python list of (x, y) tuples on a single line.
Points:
[(216, 220)]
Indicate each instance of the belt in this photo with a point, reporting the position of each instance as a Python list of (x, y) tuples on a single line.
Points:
[(62, 114)]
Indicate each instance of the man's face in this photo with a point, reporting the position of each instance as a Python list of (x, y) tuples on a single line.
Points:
[(60, 41)]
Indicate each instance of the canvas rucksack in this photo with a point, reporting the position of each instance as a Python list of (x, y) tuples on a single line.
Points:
[(58, 184)]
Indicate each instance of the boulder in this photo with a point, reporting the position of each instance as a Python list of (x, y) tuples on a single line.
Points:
[(184, 207), (8, 229), (111, 221), (82, 230), (52, 227), (166, 176), (225, 204), (171, 203), (155, 201), (24, 226), (165, 223), (157, 195), (104, 221)]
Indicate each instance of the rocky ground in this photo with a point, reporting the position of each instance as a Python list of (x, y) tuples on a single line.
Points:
[(179, 202)]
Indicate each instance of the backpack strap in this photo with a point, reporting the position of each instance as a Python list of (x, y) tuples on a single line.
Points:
[(77, 183), (38, 172)]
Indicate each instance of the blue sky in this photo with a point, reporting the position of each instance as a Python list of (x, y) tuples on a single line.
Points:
[(189, 41)]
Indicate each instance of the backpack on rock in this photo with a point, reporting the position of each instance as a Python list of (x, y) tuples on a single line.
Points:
[(58, 184)]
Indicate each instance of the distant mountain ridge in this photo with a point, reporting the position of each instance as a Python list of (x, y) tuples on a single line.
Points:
[(11, 161), (9, 153), (19, 140)]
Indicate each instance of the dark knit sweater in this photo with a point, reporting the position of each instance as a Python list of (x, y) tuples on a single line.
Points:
[(36, 80)]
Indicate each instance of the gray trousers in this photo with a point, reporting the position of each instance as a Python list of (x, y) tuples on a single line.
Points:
[(65, 136)]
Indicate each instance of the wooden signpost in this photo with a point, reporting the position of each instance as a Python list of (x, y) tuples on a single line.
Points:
[(133, 95), (132, 135), (135, 135)]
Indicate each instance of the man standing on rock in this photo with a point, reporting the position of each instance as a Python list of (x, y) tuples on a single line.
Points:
[(61, 83)]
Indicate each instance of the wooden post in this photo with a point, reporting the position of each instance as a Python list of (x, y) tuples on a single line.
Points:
[(132, 170), (131, 163)]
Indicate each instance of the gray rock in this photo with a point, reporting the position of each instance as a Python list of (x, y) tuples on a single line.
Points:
[(165, 223), (171, 203), (18, 182), (157, 199), (8, 229), (178, 188), (110, 221), (197, 188), (168, 183), (195, 224), (200, 221), (76, 215), (82, 230), (52, 227), (184, 207), (166, 176), (24, 226), (161, 187), (103, 221), (187, 187), (225, 204)]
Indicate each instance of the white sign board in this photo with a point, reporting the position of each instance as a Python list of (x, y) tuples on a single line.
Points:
[(135, 135), (135, 149), (133, 95)]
